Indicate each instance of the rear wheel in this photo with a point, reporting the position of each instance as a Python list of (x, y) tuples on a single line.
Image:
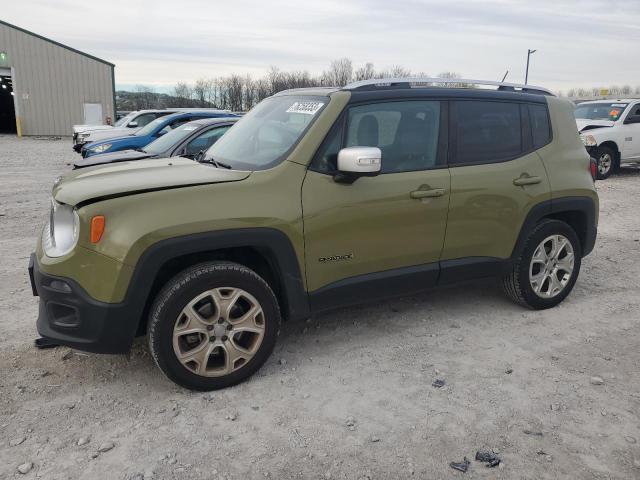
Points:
[(547, 268), (213, 325), (606, 161)]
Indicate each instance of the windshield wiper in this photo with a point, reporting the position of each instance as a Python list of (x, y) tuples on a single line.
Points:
[(200, 159)]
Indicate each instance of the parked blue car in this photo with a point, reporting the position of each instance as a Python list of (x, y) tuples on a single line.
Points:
[(149, 132)]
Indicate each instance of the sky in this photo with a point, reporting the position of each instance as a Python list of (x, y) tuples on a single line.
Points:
[(579, 43)]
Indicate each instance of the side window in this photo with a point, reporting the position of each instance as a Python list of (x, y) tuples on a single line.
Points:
[(406, 132), (205, 140), (485, 132), (145, 118), (540, 128)]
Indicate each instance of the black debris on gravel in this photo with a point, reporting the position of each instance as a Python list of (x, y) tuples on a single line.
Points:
[(461, 466), (490, 458), (531, 432), (438, 383)]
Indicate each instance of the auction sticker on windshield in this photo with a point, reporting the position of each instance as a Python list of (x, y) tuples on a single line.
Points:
[(308, 108)]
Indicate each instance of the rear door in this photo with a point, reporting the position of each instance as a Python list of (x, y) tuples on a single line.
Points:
[(381, 235), (496, 177)]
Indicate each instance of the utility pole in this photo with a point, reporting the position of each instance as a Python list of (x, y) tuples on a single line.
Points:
[(526, 75)]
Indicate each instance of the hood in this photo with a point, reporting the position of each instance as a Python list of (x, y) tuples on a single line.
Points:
[(99, 135), (103, 158), (87, 128), (128, 178), (583, 123)]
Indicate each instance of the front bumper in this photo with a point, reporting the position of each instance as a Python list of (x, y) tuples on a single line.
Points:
[(69, 316)]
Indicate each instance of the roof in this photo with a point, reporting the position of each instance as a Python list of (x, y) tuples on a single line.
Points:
[(213, 121), (2, 22)]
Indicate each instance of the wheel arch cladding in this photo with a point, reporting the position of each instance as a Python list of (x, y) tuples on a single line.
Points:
[(577, 212), (267, 251)]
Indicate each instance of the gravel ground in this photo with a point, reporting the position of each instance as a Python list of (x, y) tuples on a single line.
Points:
[(345, 395)]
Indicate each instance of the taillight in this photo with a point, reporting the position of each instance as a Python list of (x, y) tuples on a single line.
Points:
[(593, 167)]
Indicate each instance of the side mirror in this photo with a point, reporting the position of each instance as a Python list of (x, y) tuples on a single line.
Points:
[(632, 119), (355, 162), (133, 124)]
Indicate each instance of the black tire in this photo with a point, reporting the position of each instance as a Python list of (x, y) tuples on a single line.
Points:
[(517, 284), (187, 285), (601, 155)]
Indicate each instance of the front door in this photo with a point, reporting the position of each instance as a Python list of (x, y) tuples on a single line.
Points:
[(631, 135), (381, 235)]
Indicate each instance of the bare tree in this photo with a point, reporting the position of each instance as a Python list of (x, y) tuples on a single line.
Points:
[(366, 72), (339, 73), (182, 90)]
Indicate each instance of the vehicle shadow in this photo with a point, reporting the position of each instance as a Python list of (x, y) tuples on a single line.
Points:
[(628, 171)]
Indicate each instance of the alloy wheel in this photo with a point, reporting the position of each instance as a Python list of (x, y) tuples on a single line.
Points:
[(551, 266), (218, 332), (604, 164)]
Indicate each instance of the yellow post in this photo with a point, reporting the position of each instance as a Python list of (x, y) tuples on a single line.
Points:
[(18, 127)]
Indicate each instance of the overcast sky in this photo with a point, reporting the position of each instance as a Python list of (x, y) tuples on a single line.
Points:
[(157, 43)]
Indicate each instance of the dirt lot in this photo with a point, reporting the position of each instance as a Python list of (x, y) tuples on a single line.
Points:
[(374, 363)]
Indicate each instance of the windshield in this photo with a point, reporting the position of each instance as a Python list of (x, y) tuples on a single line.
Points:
[(262, 138), (150, 127), (170, 139), (600, 111), (124, 120)]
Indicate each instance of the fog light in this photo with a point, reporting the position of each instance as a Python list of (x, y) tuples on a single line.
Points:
[(60, 286)]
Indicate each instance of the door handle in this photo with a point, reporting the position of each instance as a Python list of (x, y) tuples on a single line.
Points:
[(525, 179), (432, 192)]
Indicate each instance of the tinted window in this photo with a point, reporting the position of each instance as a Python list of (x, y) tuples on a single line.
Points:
[(540, 130), (205, 140), (405, 132), (485, 131)]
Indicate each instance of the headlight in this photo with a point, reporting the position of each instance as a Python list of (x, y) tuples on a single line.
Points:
[(60, 234), (101, 148), (588, 140)]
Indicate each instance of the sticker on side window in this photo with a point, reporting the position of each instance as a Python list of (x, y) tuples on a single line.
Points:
[(618, 104), (308, 108)]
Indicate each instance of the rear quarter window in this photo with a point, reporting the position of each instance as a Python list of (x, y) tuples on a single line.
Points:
[(540, 126)]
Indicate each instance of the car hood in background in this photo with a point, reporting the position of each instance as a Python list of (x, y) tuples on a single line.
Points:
[(103, 158), (128, 178), (99, 135), (87, 128), (583, 123)]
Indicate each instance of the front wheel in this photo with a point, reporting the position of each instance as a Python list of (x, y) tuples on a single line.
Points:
[(213, 325), (547, 268), (605, 158)]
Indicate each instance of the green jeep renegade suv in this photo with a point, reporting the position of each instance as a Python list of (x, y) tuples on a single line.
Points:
[(316, 199)]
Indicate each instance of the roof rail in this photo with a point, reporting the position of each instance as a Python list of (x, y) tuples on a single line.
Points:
[(408, 82)]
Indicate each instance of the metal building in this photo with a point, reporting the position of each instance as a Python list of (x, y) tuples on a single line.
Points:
[(47, 87)]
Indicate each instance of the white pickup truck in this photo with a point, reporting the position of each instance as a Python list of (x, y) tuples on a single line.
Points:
[(610, 130)]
